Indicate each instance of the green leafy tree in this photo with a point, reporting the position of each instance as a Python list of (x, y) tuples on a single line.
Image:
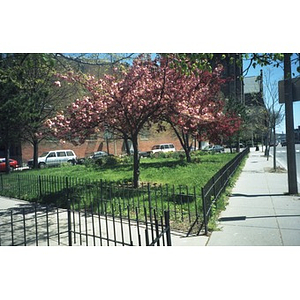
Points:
[(11, 106), (29, 96), (43, 96)]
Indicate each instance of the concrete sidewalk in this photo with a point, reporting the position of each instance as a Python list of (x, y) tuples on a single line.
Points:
[(259, 212)]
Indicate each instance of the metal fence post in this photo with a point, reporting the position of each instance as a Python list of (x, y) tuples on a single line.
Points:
[(67, 190), (12, 228), (19, 186), (40, 186), (150, 209), (69, 223), (1, 182), (204, 211), (168, 228)]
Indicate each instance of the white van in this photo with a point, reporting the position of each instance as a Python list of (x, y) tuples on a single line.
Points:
[(55, 158), (163, 148)]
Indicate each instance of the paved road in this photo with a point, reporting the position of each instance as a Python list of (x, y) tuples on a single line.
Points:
[(282, 158)]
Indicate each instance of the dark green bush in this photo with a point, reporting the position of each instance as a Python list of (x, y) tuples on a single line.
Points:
[(110, 161), (89, 163)]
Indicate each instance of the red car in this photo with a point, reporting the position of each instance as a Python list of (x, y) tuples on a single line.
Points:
[(13, 164)]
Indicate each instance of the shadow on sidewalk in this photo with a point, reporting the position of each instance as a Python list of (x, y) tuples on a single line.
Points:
[(256, 195), (243, 218)]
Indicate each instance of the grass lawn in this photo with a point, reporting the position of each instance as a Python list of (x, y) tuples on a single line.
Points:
[(170, 179), (153, 170)]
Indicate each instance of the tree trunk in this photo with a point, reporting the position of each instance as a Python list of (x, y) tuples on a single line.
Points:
[(238, 148), (107, 145), (136, 162), (267, 151), (184, 141), (7, 156), (126, 145), (186, 147), (187, 154), (274, 148), (35, 154)]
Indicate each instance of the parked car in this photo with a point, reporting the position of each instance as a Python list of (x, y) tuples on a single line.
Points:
[(55, 158), (163, 148), (142, 153), (94, 156), (215, 148), (99, 154), (12, 163)]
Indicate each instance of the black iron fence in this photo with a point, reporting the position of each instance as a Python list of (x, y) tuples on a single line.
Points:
[(36, 224), (214, 188), (182, 202), (187, 208)]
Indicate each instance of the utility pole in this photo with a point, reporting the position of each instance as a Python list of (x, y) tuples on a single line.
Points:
[(289, 124)]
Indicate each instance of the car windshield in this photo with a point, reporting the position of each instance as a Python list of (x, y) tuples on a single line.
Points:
[(44, 154)]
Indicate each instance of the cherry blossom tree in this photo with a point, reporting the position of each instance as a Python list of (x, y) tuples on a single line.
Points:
[(124, 105), (195, 105), (148, 92)]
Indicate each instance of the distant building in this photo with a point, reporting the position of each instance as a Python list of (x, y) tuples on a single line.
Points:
[(113, 145), (248, 90), (233, 72), (253, 90)]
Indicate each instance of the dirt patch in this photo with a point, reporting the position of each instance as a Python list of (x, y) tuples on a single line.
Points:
[(278, 170)]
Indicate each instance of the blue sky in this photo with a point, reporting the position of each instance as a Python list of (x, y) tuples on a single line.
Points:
[(277, 75)]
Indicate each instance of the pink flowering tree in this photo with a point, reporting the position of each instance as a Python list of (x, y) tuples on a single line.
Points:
[(225, 126), (194, 103), (148, 92), (124, 105)]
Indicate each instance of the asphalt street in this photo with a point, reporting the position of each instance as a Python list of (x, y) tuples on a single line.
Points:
[(282, 157)]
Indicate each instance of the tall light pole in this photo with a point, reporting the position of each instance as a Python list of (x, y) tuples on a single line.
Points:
[(289, 124)]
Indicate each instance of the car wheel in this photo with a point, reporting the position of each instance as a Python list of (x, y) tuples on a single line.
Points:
[(72, 162), (42, 165)]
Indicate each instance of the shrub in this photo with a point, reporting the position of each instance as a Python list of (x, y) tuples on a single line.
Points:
[(177, 155), (89, 163), (110, 161), (127, 159), (159, 155)]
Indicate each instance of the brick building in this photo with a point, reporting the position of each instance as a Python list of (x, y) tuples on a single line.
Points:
[(114, 146)]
